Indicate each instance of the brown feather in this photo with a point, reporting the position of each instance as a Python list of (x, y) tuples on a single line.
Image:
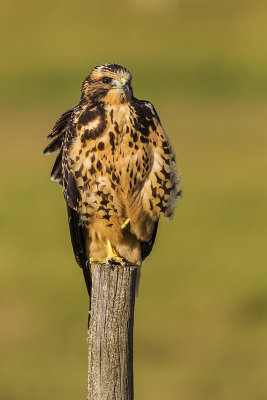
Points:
[(116, 163)]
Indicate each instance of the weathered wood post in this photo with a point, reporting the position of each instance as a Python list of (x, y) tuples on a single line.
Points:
[(110, 334)]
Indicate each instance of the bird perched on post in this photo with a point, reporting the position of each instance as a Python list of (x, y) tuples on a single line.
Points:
[(117, 169)]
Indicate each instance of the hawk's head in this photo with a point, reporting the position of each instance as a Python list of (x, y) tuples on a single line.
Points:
[(109, 83)]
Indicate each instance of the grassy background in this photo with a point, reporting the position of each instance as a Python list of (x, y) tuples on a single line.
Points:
[(200, 333)]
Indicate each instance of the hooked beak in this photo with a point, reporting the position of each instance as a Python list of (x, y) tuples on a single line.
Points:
[(123, 83)]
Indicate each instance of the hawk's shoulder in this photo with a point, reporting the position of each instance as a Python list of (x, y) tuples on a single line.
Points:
[(146, 109)]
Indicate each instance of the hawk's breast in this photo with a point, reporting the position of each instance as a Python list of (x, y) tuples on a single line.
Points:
[(108, 157)]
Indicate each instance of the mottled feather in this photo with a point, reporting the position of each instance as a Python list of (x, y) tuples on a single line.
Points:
[(115, 163)]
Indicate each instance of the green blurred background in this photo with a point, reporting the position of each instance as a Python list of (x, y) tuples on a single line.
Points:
[(201, 317)]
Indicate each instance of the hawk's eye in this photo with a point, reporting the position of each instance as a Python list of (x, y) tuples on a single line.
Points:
[(106, 79)]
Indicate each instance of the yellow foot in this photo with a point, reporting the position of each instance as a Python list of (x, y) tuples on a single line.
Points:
[(95, 259), (116, 260), (125, 223), (112, 255)]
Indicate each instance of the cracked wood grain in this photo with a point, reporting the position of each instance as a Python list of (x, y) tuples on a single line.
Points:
[(110, 334)]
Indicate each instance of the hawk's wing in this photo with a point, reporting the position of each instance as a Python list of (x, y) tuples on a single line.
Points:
[(149, 125), (61, 170), (77, 229), (78, 240), (148, 114)]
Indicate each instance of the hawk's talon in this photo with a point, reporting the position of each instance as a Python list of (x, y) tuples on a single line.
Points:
[(114, 260), (95, 260), (109, 261), (125, 262)]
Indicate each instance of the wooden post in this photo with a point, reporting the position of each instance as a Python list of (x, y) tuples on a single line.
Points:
[(110, 334)]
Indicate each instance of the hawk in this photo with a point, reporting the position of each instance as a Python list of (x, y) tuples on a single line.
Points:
[(117, 170)]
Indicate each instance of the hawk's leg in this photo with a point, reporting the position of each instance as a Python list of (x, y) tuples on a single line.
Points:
[(113, 256), (123, 226)]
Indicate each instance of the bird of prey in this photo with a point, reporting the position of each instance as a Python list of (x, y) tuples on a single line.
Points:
[(117, 169)]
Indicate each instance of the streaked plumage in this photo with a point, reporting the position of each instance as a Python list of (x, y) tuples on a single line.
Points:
[(115, 164)]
